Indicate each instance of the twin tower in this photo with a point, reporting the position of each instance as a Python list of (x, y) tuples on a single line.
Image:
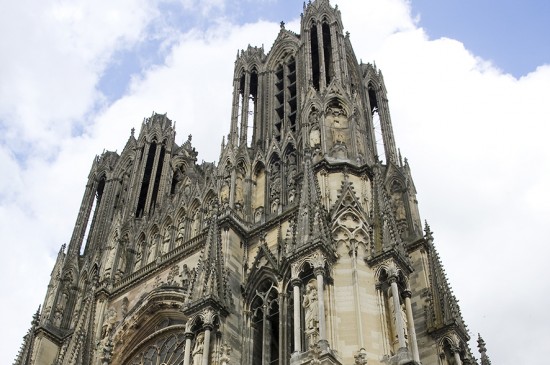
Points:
[(302, 245)]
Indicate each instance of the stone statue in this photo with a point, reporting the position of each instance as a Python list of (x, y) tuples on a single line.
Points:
[(181, 232), (198, 349), (239, 191), (291, 195), (401, 313), (185, 277), (314, 138), (258, 214), (338, 122), (311, 308), (225, 190), (196, 223), (166, 240), (121, 269)]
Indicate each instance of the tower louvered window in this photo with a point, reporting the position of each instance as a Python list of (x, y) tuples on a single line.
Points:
[(285, 98)]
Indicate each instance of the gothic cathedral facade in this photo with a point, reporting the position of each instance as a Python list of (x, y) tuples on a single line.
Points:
[(302, 245)]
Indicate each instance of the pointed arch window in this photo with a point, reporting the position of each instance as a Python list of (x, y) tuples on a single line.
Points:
[(150, 159), (265, 323), (168, 350), (92, 218), (376, 123), (248, 104), (327, 51), (315, 62)]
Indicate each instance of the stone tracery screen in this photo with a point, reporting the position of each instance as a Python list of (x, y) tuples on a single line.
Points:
[(165, 350)]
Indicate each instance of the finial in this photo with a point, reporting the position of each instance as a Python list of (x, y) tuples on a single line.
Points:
[(428, 233), (189, 137), (481, 344), (132, 131), (400, 158), (483, 351), (282, 25), (35, 317)]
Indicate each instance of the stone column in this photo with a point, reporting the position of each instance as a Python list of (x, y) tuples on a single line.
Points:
[(321, 52), (397, 307), (321, 300), (282, 309), (410, 321), (206, 348), (297, 306), (187, 353)]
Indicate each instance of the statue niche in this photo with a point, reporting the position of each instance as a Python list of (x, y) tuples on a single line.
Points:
[(310, 303), (275, 186), (239, 197), (225, 191), (398, 203), (336, 119)]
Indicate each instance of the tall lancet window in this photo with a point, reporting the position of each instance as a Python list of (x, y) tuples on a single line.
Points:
[(94, 209), (158, 175), (327, 51), (142, 199), (315, 63), (252, 105), (265, 334), (377, 124), (248, 105)]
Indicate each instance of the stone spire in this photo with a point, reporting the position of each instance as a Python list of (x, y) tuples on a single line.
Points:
[(210, 280), (483, 351), (386, 235), (311, 222)]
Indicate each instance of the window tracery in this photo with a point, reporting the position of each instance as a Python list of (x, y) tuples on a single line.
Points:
[(167, 350)]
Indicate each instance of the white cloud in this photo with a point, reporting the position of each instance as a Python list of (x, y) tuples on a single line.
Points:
[(475, 138)]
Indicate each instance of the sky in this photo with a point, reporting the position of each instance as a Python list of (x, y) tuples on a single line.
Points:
[(468, 85)]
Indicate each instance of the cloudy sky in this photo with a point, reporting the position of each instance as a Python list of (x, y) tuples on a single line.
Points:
[(468, 83)]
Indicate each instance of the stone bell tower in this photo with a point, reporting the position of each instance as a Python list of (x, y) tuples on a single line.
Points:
[(303, 245)]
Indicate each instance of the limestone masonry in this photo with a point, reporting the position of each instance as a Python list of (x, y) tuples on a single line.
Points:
[(302, 245)]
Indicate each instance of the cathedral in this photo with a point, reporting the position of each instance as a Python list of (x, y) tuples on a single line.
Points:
[(303, 244)]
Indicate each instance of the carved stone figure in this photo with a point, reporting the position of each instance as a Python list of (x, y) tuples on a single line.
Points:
[(338, 122), (401, 313), (181, 232), (311, 308), (196, 223), (239, 200), (174, 272), (224, 192), (121, 269), (258, 214), (110, 255), (166, 240), (109, 322), (185, 277), (198, 349), (314, 137)]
